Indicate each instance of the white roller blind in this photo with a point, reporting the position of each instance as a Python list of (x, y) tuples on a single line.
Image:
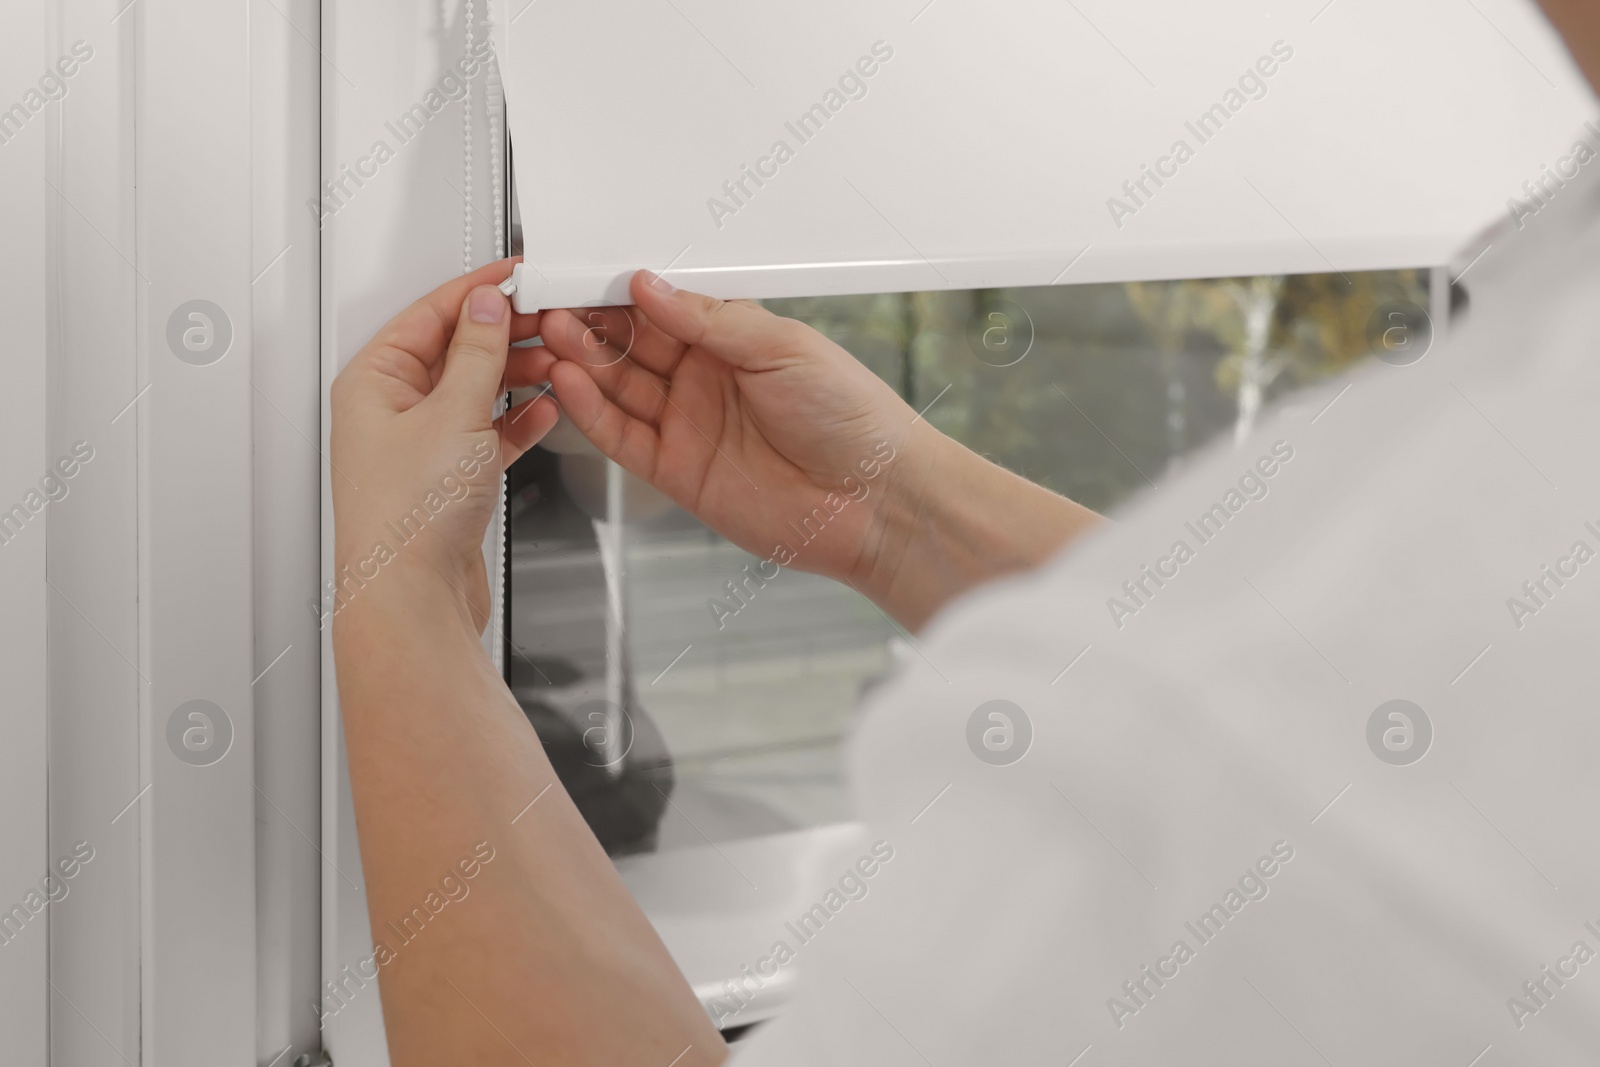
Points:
[(958, 144)]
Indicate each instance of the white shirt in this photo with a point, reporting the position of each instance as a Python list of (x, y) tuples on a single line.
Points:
[(1228, 717)]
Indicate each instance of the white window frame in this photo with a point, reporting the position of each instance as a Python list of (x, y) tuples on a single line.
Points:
[(24, 852), (177, 169)]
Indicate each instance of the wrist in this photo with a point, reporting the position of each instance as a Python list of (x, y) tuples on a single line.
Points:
[(952, 520), (389, 588), (895, 550)]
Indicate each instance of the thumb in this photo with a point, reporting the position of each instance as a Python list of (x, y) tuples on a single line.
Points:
[(737, 332), (475, 363)]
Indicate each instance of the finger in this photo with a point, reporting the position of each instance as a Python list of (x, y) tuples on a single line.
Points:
[(475, 364), (638, 392), (524, 327), (738, 332), (626, 331), (528, 366), (585, 335), (445, 301), (618, 436), (522, 427), (423, 329)]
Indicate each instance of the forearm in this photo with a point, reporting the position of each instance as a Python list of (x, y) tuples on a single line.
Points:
[(951, 521), (441, 760)]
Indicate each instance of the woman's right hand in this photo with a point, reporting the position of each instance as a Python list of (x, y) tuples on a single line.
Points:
[(761, 427), (782, 442)]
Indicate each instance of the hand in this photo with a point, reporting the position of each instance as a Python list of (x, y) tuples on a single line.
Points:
[(761, 427), (551, 947), (415, 452), (782, 442)]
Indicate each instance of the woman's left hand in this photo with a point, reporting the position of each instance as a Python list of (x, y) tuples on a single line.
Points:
[(415, 451)]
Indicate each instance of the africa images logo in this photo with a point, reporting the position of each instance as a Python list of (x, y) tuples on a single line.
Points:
[(999, 732)]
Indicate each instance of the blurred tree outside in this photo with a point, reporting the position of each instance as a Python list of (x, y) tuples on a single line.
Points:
[(1305, 326)]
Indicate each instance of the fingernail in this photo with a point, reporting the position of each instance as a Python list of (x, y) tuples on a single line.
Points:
[(651, 278), (487, 304)]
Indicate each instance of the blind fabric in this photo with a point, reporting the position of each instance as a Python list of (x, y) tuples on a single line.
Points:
[(872, 146)]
